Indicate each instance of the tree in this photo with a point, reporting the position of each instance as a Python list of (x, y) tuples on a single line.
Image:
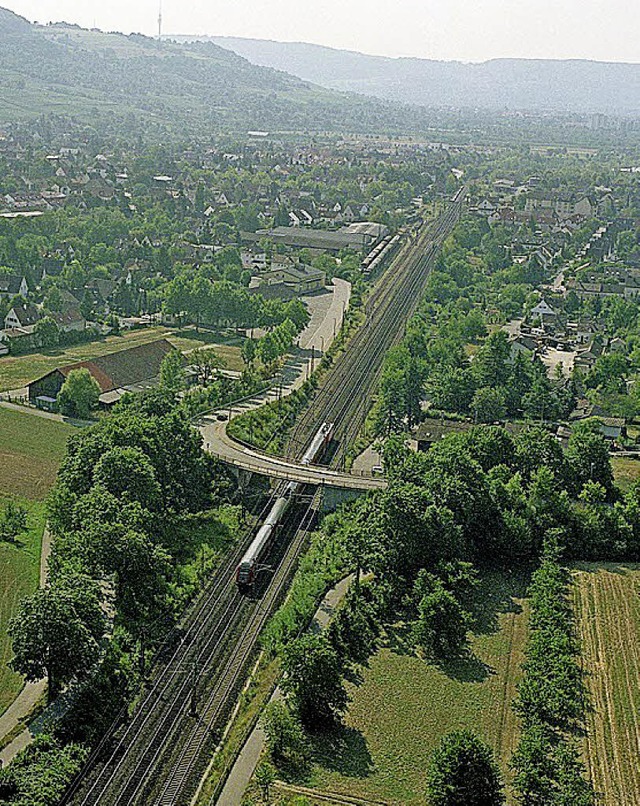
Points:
[(463, 772), (79, 394), (491, 366), (441, 626), (248, 350), (205, 362), (353, 630), (265, 776), (57, 632), (286, 739), (13, 521), (588, 456), (488, 405), (128, 474), (47, 332), (313, 678), (172, 372)]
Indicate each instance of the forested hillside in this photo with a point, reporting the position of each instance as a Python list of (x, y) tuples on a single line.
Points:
[(525, 84), (69, 70)]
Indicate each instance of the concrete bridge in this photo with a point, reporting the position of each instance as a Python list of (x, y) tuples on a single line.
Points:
[(223, 447)]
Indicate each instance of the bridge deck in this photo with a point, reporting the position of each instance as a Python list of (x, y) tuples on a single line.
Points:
[(223, 447)]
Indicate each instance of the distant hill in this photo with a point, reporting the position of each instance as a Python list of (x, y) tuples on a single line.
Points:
[(69, 70), (516, 84)]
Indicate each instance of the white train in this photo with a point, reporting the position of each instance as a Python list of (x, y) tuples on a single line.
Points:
[(246, 571)]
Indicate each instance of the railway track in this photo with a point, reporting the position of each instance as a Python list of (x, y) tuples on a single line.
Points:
[(218, 644), (345, 396), (157, 756)]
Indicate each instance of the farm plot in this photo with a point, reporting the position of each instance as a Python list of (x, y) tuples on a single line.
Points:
[(607, 602)]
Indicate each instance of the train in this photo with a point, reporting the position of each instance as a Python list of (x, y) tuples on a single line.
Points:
[(379, 253), (250, 562)]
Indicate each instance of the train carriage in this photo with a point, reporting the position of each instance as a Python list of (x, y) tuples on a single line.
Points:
[(250, 562)]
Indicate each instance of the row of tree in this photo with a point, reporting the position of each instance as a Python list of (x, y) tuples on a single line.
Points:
[(552, 698)]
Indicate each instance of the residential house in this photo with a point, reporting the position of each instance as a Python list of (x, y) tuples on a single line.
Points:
[(69, 320), (21, 317), (12, 285), (543, 310)]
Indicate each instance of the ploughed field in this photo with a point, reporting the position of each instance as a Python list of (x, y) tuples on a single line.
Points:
[(607, 602), (405, 705)]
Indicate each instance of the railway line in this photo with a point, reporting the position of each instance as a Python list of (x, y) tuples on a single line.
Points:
[(348, 388), (157, 755), (212, 655)]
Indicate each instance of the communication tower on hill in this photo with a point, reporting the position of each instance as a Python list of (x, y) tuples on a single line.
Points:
[(160, 20)]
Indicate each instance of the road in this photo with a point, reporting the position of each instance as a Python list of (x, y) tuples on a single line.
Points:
[(222, 446)]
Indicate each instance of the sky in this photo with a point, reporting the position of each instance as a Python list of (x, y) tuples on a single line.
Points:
[(467, 30)]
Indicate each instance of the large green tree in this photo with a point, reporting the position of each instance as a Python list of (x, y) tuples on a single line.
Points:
[(79, 394), (463, 772), (57, 632), (313, 678)]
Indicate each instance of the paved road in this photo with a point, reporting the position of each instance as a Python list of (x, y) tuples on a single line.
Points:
[(220, 444)]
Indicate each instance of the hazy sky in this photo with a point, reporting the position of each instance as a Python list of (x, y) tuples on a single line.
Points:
[(470, 30)]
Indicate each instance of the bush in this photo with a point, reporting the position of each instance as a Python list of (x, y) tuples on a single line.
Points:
[(40, 773)]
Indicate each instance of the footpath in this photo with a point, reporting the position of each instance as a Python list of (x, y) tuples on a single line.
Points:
[(249, 757)]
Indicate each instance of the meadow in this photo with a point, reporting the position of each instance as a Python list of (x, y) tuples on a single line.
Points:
[(404, 704), (31, 448)]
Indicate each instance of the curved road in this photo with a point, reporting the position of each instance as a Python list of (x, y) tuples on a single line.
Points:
[(223, 447)]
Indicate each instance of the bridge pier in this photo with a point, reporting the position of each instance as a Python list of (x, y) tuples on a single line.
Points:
[(334, 497)]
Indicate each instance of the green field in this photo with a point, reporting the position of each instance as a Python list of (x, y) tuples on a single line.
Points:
[(626, 470), (607, 601), (405, 705), (16, 372), (31, 448), (19, 576)]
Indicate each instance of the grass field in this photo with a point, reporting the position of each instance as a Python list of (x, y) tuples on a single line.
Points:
[(626, 470), (16, 372), (19, 576), (31, 448), (607, 601), (405, 705)]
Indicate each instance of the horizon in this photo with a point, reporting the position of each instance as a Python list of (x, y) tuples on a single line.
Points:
[(570, 31)]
